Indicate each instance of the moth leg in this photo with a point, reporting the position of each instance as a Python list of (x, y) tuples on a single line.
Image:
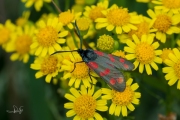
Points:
[(90, 77), (75, 65)]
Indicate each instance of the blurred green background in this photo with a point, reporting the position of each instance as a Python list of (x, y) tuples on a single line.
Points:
[(42, 101)]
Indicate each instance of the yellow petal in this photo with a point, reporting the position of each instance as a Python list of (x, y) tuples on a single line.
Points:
[(69, 105), (98, 116), (148, 69), (124, 111), (72, 80), (70, 97), (153, 64), (118, 30), (141, 68), (131, 107), (77, 83), (172, 81), (44, 52), (57, 47), (112, 108), (177, 53), (117, 111), (97, 94), (14, 56), (48, 78), (75, 92), (63, 34), (126, 28), (173, 57), (70, 113), (102, 108), (38, 51), (39, 74), (134, 86), (110, 27)]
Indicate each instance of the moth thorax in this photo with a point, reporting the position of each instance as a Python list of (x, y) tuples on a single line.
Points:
[(91, 55)]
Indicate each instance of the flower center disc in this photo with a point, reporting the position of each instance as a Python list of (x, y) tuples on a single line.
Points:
[(23, 44), (66, 17), (143, 28), (47, 36), (123, 98), (105, 42), (81, 70), (85, 106), (162, 23), (118, 17), (144, 53), (49, 65), (96, 13)]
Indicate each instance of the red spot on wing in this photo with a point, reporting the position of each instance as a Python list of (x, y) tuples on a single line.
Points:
[(105, 72), (112, 81), (120, 80), (111, 58), (93, 65), (126, 66), (99, 53), (122, 60)]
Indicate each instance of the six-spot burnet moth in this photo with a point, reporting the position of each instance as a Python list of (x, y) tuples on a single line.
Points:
[(107, 66)]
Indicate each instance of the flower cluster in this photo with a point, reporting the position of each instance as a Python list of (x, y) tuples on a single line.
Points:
[(143, 40)]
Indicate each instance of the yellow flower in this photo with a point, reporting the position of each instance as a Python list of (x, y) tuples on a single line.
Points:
[(48, 66), (95, 12), (173, 69), (45, 17), (145, 53), (165, 53), (77, 72), (121, 101), (48, 37), (163, 23), (168, 5), (142, 29), (37, 3), (83, 23), (105, 43), (21, 21), (85, 103), (20, 43), (6, 31), (117, 19), (68, 17)]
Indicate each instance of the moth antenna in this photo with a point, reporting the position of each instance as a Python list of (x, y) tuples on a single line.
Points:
[(58, 9), (79, 35), (63, 51)]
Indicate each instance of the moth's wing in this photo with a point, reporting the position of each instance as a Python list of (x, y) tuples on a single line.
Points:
[(108, 72), (116, 61)]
